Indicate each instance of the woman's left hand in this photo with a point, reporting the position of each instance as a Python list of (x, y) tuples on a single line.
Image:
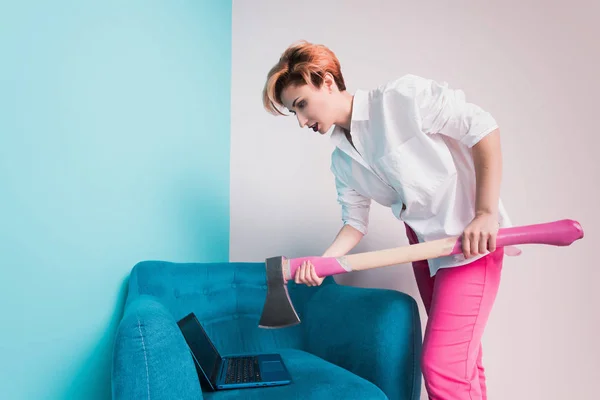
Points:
[(480, 235)]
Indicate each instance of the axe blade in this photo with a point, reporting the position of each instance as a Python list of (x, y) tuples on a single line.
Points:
[(278, 311)]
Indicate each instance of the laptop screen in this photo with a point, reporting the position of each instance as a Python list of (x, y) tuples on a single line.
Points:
[(200, 344)]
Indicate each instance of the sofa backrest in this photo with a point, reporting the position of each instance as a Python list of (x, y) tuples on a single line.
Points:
[(227, 298)]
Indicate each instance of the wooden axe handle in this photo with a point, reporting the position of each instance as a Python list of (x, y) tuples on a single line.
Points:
[(557, 233)]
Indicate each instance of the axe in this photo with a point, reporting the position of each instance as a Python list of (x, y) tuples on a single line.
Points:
[(278, 311)]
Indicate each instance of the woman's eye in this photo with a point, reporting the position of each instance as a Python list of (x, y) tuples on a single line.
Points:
[(301, 104)]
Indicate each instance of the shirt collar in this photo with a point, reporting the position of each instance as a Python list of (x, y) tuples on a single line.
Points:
[(360, 113)]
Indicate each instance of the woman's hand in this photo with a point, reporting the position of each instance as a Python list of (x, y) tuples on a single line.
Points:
[(306, 274), (480, 235)]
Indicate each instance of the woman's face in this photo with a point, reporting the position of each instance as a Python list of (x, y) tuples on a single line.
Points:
[(313, 107)]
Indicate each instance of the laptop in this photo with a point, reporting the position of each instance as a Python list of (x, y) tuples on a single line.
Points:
[(230, 372)]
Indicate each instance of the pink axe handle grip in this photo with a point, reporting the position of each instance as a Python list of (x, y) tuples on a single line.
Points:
[(557, 233), (324, 266)]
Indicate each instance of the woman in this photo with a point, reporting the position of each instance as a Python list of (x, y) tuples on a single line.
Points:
[(419, 148)]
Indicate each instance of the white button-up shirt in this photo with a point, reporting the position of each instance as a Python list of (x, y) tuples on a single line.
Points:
[(413, 139)]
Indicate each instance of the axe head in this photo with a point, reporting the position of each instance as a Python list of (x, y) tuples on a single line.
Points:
[(278, 311)]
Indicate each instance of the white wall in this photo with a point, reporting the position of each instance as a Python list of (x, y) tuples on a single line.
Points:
[(535, 67)]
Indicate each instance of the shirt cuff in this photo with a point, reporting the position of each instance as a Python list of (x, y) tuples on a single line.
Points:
[(472, 139), (362, 228)]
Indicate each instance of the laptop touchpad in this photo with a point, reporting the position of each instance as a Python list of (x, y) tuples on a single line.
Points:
[(271, 366)]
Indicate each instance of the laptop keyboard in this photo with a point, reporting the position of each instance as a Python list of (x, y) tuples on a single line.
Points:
[(242, 370)]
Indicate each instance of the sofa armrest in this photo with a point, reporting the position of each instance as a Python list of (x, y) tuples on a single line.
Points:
[(151, 359), (374, 333)]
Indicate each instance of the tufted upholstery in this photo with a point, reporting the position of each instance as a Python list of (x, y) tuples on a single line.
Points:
[(366, 342)]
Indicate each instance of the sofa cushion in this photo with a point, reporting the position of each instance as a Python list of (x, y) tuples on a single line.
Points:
[(150, 357), (312, 378)]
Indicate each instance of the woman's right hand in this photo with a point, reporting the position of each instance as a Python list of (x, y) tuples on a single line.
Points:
[(306, 274)]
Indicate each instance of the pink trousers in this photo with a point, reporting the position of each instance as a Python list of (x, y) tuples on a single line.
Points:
[(458, 302)]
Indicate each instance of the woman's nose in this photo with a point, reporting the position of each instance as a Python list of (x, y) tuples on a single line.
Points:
[(301, 120)]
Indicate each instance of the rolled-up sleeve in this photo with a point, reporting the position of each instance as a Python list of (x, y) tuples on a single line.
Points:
[(355, 207), (446, 111)]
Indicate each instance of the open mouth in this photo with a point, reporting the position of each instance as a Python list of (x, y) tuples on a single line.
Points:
[(315, 126)]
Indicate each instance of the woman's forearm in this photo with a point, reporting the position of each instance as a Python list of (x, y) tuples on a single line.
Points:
[(488, 170), (346, 239)]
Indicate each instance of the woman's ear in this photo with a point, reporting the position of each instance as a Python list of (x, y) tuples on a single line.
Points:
[(329, 82)]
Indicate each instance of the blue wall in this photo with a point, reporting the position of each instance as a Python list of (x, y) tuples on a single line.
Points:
[(114, 148)]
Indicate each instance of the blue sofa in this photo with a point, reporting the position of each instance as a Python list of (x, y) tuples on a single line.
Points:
[(352, 343)]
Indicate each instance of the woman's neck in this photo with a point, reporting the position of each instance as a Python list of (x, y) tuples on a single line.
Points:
[(345, 111)]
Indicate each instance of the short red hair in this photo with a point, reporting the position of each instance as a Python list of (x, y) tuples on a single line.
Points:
[(300, 64)]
